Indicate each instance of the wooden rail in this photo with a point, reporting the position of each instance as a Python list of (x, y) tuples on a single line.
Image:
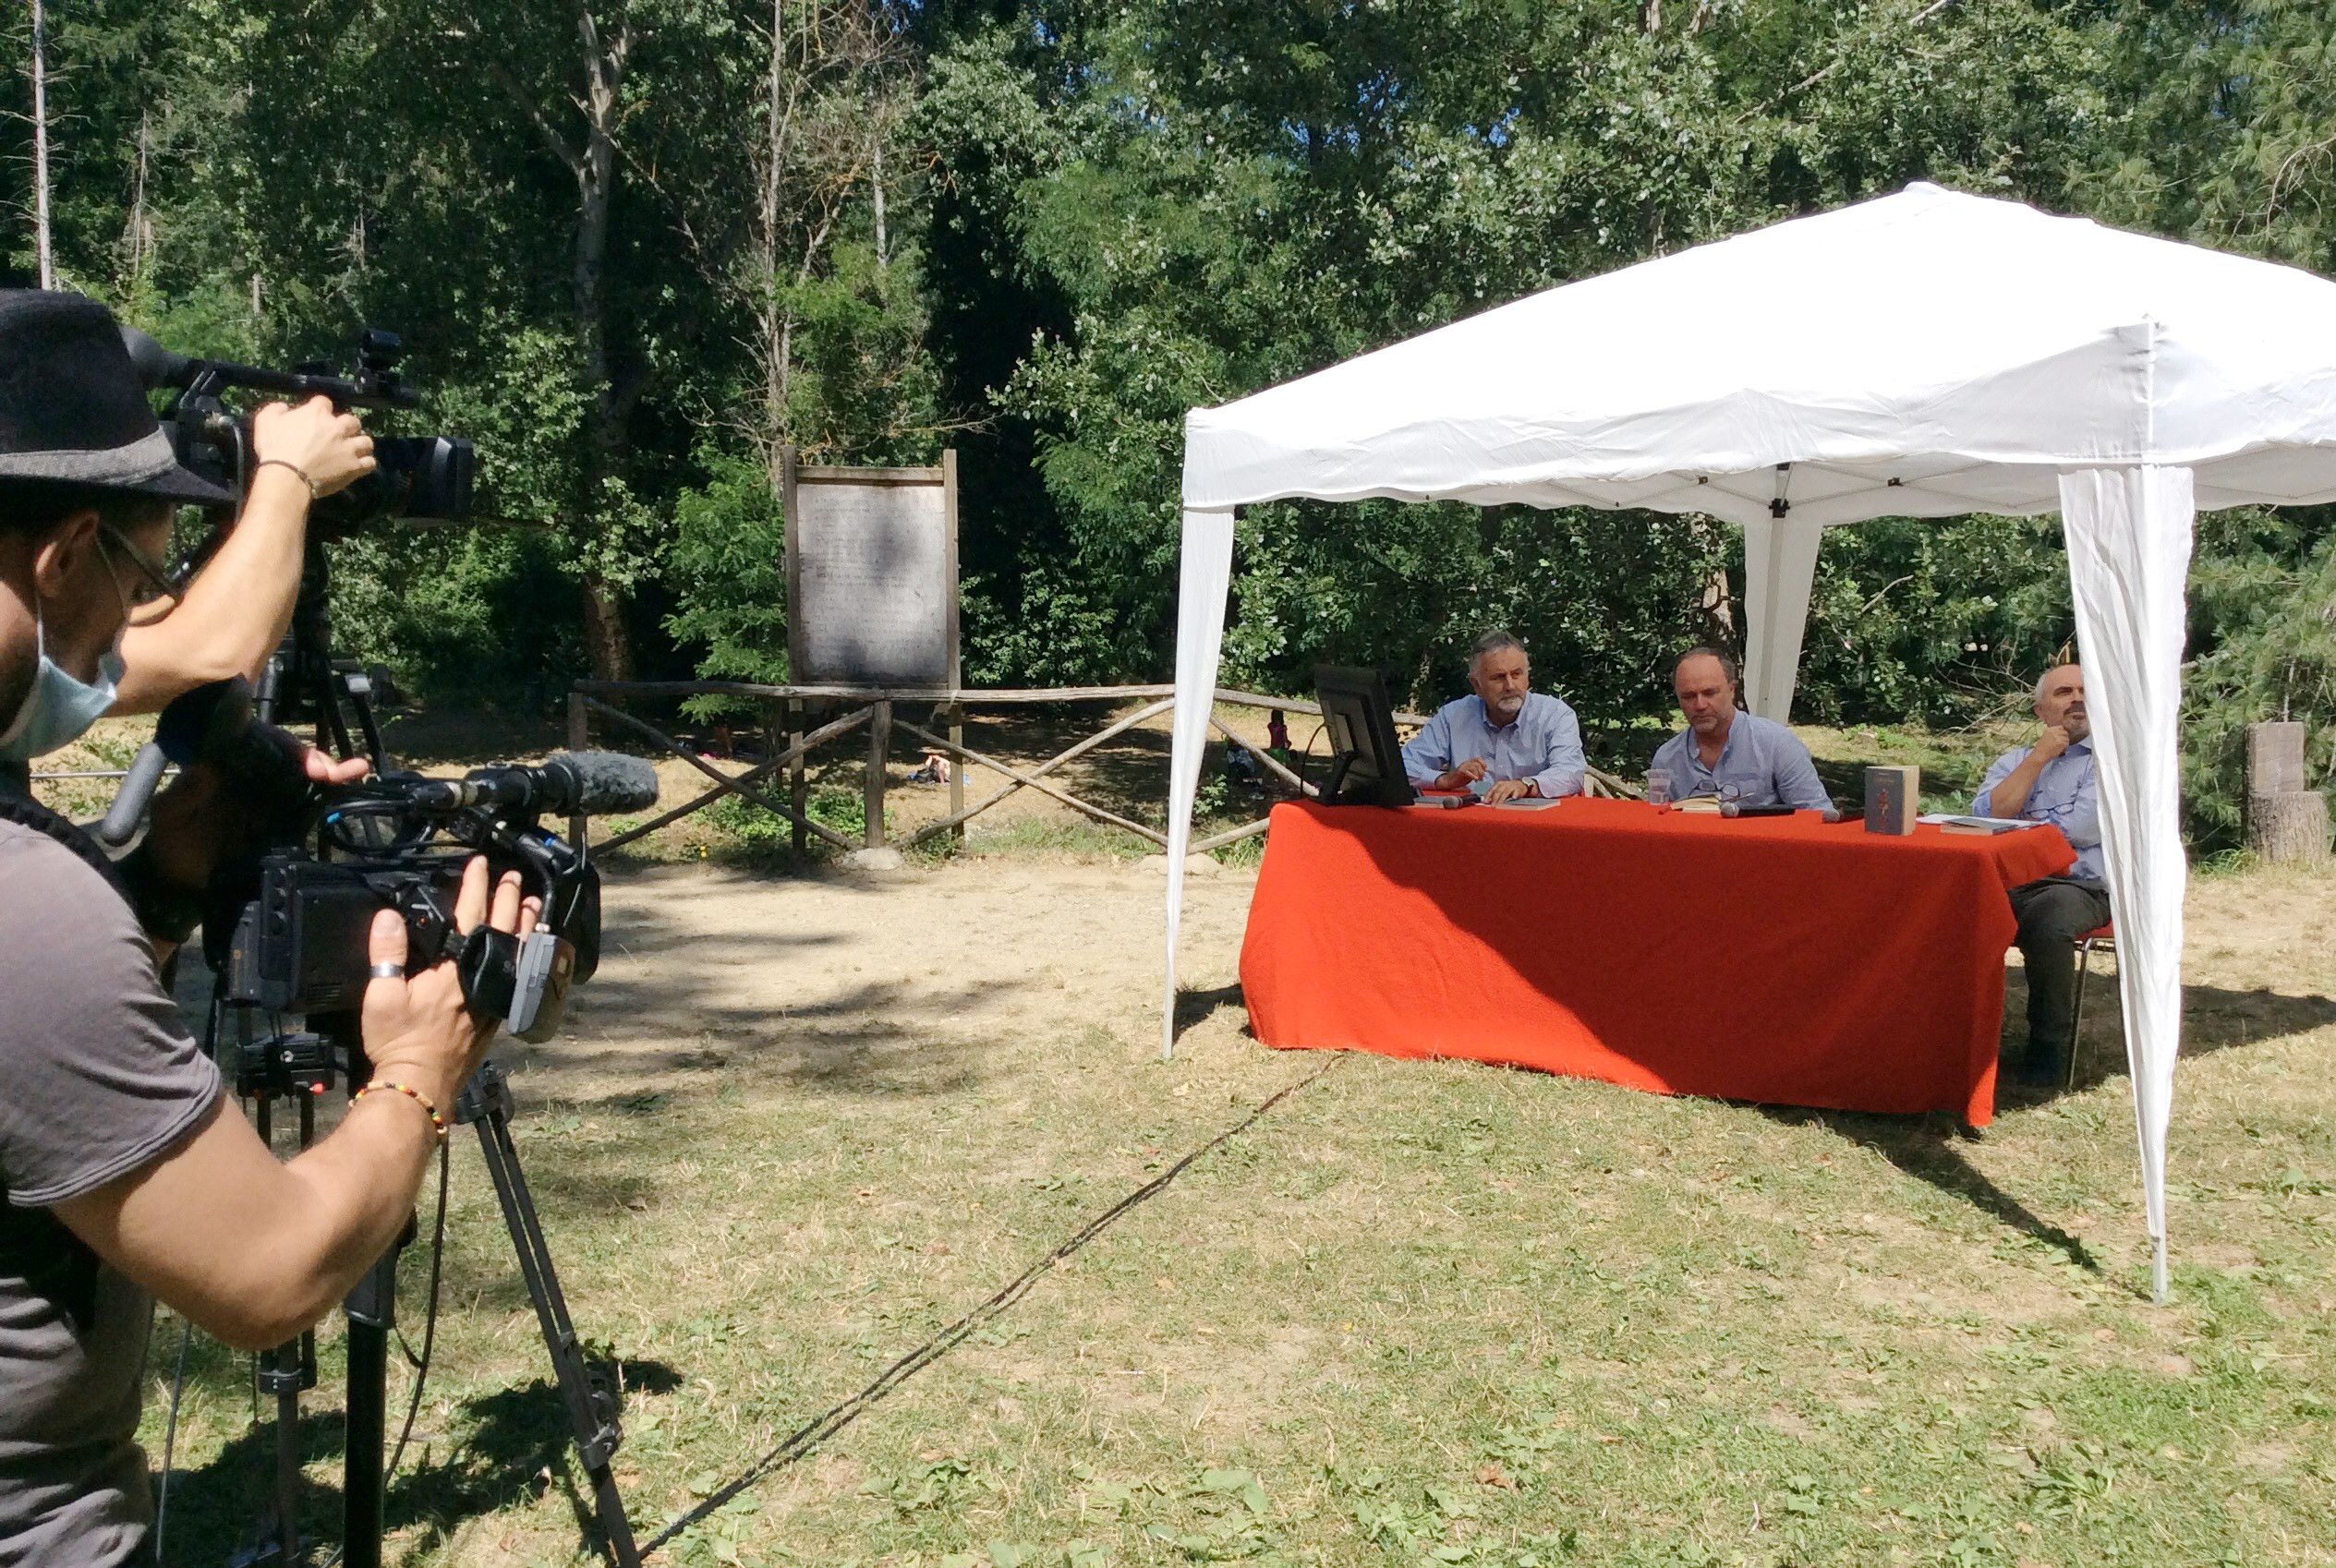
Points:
[(878, 711)]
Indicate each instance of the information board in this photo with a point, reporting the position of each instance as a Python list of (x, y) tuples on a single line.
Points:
[(872, 575)]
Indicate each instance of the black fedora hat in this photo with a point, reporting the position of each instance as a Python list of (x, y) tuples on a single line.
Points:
[(72, 408)]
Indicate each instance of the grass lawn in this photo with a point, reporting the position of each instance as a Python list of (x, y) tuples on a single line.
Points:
[(1418, 1313)]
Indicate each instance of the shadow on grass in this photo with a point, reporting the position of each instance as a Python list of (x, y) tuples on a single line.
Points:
[(518, 1441), (519, 1446), (2213, 1019), (1194, 1007), (215, 1513), (1922, 1148)]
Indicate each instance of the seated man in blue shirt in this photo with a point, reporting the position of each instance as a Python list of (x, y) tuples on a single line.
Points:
[(1728, 753), (2054, 781), (1524, 743)]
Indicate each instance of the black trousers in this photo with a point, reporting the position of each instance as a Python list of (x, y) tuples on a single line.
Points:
[(2052, 913)]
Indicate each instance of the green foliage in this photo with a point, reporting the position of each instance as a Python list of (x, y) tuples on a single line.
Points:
[(728, 568), (1940, 621), (1094, 218), (2263, 647)]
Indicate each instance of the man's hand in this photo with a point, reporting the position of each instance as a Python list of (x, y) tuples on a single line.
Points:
[(2052, 742), (1462, 776), (253, 1251), (417, 1029), (1511, 789), (331, 448)]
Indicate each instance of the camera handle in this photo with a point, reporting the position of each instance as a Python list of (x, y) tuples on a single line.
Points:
[(486, 1104)]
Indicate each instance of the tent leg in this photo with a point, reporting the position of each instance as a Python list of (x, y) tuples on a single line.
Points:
[(1206, 571), (2128, 532)]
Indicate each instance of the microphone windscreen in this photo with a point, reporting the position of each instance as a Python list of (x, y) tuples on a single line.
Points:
[(156, 365), (608, 781)]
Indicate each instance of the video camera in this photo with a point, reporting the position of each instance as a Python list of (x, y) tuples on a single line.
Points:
[(285, 924), (416, 479), (297, 941)]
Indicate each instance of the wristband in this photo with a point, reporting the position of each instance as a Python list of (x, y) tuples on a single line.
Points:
[(280, 463), (437, 1122)]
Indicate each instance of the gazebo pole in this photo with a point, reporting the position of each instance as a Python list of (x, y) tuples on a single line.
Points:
[(2128, 532), (1206, 576)]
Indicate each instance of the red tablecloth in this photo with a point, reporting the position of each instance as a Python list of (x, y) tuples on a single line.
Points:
[(1781, 959)]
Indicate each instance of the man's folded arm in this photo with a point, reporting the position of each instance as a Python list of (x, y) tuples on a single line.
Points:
[(1983, 803)]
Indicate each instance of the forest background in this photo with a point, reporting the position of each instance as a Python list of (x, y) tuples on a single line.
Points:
[(636, 247)]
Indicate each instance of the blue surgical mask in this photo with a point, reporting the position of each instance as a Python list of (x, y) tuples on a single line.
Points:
[(59, 709)]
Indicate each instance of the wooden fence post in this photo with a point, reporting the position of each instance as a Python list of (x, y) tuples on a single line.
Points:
[(957, 769), (2286, 819), (880, 748), (579, 738), (798, 791)]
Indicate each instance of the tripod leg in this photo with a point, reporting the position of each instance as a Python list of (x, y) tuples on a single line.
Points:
[(487, 1101), (282, 1372), (372, 1309)]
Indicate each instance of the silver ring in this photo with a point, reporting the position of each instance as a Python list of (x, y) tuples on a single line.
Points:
[(387, 972)]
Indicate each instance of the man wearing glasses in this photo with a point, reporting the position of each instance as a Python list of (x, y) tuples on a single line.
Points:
[(239, 605), (1727, 753), (126, 1173)]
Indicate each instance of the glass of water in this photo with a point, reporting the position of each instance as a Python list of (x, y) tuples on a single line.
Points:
[(1658, 787)]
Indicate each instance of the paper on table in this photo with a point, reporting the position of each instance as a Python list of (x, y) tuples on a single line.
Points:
[(1942, 817)]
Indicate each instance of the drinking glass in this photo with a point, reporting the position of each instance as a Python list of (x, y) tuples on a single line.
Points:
[(1658, 787)]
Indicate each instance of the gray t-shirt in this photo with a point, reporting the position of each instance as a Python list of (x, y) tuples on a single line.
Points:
[(98, 1078)]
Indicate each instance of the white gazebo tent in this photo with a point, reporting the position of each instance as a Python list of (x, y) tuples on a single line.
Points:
[(1924, 355)]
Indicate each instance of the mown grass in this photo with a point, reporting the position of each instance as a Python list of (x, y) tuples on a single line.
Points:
[(1422, 1313)]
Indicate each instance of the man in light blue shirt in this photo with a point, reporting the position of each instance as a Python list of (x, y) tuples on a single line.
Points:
[(2054, 781), (1730, 753), (1507, 741)]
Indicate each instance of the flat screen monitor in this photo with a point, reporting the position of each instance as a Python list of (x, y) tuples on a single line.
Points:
[(1366, 767)]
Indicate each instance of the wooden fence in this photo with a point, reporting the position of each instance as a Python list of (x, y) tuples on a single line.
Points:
[(878, 711)]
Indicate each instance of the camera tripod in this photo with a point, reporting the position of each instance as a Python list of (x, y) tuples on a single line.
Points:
[(303, 681)]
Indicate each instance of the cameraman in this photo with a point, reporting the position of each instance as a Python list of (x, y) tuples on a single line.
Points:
[(125, 1169)]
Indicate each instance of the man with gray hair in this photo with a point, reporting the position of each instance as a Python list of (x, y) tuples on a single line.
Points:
[(1727, 753), (2054, 781), (1505, 741)]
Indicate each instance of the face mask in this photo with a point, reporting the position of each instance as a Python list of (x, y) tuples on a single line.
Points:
[(59, 709)]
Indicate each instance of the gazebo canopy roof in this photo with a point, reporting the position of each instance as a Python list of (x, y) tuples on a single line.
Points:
[(1926, 354)]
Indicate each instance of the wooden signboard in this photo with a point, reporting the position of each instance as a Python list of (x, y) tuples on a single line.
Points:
[(872, 575)]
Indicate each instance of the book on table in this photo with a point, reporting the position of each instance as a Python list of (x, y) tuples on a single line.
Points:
[(1890, 794), (1948, 823)]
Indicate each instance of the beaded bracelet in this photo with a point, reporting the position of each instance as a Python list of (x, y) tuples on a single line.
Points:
[(280, 463), (416, 1095)]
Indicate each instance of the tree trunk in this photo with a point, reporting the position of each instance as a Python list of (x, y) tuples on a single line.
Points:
[(605, 444), (605, 639), (41, 145), (2289, 828)]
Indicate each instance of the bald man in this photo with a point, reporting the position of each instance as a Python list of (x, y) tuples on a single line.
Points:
[(1728, 753), (2054, 781)]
